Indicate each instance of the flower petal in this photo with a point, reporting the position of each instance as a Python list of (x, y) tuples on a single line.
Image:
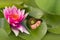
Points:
[(19, 13), (23, 29), (33, 26), (26, 15), (6, 12), (22, 15), (38, 23), (8, 20), (22, 12), (14, 10), (20, 28), (16, 32)]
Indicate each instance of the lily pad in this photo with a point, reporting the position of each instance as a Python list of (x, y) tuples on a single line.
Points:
[(13, 37), (49, 6), (1, 15), (51, 36), (58, 7), (36, 13), (3, 35), (30, 3), (4, 3), (38, 33), (4, 24), (53, 22)]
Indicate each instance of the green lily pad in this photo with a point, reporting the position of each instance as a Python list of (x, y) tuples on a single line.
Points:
[(49, 6), (4, 24), (58, 7), (1, 15), (51, 36), (3, 35), (4, 3), (53, 22), (36, 13), (30, 3), (38, 33), (13, 37)]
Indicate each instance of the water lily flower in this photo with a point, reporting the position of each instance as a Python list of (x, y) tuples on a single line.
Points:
[(15, 17), (37, 24), (34, 23)]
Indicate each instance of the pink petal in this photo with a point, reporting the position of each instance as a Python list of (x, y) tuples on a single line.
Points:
[(22, 15), (14, 24), (23, 29), (9, 9), (22, 12), (16, 32), (14, 10), (33, 26), (38, 23), (8, 20), (19, 12), (26, 15), (6, 12)]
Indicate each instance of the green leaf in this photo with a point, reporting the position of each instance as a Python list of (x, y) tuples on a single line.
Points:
[(49, 6), (36, 13), (51, 36), (3, 35), (53, 22), (5, 25), (4, 3), (58, 7), (1, 14), (35, 34), (30, 3), (13, 37)]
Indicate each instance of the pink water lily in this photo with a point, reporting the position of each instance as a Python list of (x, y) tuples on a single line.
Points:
[(15, 17)]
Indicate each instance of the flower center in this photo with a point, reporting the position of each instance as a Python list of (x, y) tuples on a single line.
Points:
[(14, 16), (32, 21)]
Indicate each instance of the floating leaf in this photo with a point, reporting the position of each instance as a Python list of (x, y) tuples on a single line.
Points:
[(13, 37), (4, 3), (49, 6), (1, 13), (30, 3), (51, 36), (35, 34), (58, 7), (53, 22), (5, 25), (36, 13), (3, 35)]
